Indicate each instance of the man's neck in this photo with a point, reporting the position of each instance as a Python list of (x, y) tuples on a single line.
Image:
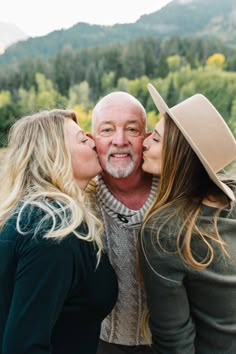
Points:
[(131, 191)]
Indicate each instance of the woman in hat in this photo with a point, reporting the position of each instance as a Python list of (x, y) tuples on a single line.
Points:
[(56, 285), (188, 240)]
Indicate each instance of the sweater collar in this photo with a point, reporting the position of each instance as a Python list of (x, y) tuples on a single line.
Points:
[(118, 210)]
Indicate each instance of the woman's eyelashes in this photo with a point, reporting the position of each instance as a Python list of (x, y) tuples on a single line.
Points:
[(84, 140)]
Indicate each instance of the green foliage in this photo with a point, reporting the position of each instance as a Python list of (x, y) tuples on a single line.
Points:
[(216, 60), (80, 95), (174, 62), (44, 96), (103, 67), (217, 85), (76, 79), (9, 113), (232, 119), (5, 98), (138, 88), (84, 118), (172, 93), (173, 48), (122, 84), (152, 119), (108, 81)]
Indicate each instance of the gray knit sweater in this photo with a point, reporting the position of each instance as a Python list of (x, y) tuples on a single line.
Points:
[(122, 225)]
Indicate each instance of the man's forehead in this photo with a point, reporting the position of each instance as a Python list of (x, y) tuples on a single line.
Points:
[(112, 110), (118, 98), (119, 120), (117, 111), (117, 105)]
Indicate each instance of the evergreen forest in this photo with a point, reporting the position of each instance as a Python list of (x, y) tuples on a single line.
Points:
[(76, 78)]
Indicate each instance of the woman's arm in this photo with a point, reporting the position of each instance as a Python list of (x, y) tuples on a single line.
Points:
[(42, 281), (170, 322)]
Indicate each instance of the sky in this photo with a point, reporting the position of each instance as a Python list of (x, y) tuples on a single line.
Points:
[(38, 18)]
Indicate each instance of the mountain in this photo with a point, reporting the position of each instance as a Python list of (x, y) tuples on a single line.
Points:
[(9, 34), (214, 19), (211, 18), (80, 35)]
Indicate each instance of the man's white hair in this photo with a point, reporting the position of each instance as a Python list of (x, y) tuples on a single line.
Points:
[(114, 97)]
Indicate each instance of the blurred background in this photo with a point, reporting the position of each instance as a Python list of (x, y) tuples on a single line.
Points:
[(182, 46)]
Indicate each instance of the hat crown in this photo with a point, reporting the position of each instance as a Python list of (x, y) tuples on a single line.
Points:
[(206, 131)]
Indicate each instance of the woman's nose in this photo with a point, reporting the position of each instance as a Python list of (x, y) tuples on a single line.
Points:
[(145, 143), (91, 142)]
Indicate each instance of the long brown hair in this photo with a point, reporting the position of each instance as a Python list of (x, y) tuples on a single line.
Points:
[(184, 183)]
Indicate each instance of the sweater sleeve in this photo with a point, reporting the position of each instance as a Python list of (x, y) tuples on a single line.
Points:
[(43, 280), (170, 320)]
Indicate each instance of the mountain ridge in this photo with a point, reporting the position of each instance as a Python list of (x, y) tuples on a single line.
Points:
[(10, 34), (214, 19)]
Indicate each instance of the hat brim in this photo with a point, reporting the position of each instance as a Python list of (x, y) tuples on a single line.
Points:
[(163, 108)]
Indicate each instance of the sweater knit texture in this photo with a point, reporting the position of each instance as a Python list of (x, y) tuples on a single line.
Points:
[(122, 226)]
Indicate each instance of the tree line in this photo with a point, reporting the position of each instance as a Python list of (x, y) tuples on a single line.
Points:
[(78, 78)]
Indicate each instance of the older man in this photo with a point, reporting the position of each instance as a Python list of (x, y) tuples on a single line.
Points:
[(123, 194)]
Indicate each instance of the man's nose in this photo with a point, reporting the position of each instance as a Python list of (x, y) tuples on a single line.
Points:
[(120, 138)]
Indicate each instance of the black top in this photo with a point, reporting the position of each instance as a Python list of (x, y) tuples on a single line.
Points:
[(191, 311), (52, 297)]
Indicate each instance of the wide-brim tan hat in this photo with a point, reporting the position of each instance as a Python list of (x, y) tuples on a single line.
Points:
[(206, 132)]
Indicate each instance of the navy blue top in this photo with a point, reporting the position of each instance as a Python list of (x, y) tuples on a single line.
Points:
[(52, 297)]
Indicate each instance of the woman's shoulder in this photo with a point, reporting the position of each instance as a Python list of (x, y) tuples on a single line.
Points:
[(23, 217), (160, 234), (165, 221), (33, 219)]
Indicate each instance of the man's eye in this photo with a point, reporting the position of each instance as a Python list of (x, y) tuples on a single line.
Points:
[(133, 131), (106, 131)]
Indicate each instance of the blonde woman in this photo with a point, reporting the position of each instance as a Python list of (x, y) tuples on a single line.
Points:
[(188, 243), (56, 285)]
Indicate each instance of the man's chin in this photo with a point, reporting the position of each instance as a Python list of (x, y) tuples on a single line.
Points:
[(119, 173), (118, 170)]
